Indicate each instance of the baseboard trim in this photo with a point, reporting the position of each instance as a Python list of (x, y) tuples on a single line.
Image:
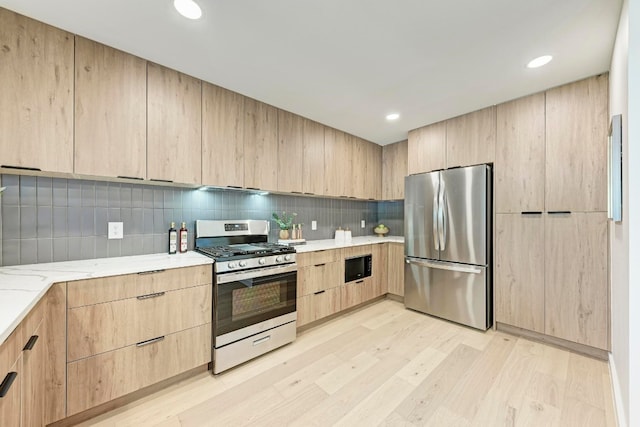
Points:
[(558, 342), (617, 393)]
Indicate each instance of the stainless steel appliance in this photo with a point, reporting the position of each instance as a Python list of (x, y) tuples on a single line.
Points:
[(254, 290), (448, 244), (357, 267)]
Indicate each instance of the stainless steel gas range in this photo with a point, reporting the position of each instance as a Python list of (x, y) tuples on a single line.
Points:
[(254, 290)]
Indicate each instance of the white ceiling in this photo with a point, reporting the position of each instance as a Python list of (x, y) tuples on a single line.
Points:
[(348, 63)]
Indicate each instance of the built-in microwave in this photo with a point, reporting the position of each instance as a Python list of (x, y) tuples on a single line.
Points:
[(357, 267)]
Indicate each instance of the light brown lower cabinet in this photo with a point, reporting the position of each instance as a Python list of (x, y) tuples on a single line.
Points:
[(395, 268), (11, 379), (356, 292), (107, 376), (318, 305)]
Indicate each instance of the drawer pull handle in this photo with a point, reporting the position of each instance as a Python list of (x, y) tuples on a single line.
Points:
[(157, 294), (160, 180), (360, 281), (151, 341), (531, 213), (31, 343), (24, 168), (319, 292), (261, 340), (320, 265), (6, 383), (559, 212), (151, 272), (130, 177)]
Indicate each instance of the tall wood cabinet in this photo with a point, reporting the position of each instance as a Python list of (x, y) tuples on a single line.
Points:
[(313, 157), (260, 145), (222, 137), (427, 148), (519, 172), (395, 269), (394, 169), (110, 112), (290, 150), (373, 175), (337, 158), (174, 112), (576, 146), (36, 106)]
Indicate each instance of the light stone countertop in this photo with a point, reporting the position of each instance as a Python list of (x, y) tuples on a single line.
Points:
[(22, 286), (320, 245)]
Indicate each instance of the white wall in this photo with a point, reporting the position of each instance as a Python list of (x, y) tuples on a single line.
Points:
[(625, 236)]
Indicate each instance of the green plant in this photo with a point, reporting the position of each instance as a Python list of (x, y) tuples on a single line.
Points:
[(285, 222)]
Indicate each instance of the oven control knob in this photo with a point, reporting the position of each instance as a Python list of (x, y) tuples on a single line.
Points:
[(242, 263), (278, 259), (231, 265), (287, 257), (262, 261)]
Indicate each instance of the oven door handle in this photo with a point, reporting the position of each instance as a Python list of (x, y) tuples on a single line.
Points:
[(252, 274)]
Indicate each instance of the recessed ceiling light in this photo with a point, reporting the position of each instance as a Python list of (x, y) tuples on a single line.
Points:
[(393, 116), (188, 8), (539, 61)]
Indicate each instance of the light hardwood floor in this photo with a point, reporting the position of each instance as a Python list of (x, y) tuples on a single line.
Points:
[(387, 366)]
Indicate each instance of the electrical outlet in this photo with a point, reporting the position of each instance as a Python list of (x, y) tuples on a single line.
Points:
[(116, 230), (362, 224), (314, 225)]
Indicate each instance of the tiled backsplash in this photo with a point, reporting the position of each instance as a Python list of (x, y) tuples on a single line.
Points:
[(52, 219)]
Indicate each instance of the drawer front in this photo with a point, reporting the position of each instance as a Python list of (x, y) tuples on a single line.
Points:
[(357, 251), (318, 257), (319, 277), (354, 293), (133, 320), (99, 379), (113, 288), (317, 306)]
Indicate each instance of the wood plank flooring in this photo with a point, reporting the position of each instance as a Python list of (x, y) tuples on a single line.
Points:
[(383, 365)]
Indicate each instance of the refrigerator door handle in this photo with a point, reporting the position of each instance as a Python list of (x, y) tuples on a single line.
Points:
[(442, 235), (436, 216), (444, 265)]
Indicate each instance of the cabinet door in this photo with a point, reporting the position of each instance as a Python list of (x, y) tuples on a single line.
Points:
[(110, 112), (222, 137), (319, 277), (358, 167), (373, 184), (338, 175), (36, 124), (260, 145), (174, 113), (353, 293), (427, 148), (471, 138), (10, 402), (576, 278), (576, 148), (395, 269), (520, 159), (290, 149), (519, 275), (313, 158), (56, 355), (318, 305), (379, 270), (394, 169), (33, 379)]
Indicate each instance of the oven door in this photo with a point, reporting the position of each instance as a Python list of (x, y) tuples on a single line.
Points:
[(246, 298)]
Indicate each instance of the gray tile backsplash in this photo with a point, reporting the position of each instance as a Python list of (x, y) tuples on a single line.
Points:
[(54, 219)]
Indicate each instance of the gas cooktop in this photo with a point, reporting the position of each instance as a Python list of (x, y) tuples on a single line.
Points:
[(245, 250)]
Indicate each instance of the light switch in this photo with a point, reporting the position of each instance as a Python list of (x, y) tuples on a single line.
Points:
[(314, 225), (116, 230)]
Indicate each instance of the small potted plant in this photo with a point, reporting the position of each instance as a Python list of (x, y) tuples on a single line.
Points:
[(285, 222)]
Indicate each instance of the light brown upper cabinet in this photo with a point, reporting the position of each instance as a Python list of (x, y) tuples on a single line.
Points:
[(36, 105), (260, 145), (394, 169), (222, 137), (519, 274), (358, 167), (427, 148), (576, 149), (520, 163), (373, 184), (337, 163), (110, 111), (174, 144), (290, 151), (471, 138), (576, 278), (313, 157)]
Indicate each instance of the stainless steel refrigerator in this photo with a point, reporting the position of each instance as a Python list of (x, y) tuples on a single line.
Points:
[(448, 244)]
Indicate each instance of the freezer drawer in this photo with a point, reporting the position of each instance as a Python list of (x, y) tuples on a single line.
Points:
[(457, 292)]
